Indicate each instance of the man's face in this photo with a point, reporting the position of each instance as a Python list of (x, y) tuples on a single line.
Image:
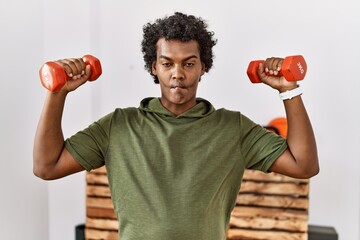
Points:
[(178, 67)]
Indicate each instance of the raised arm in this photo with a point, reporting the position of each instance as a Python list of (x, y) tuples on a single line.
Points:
[(51, 160), (300, 160)]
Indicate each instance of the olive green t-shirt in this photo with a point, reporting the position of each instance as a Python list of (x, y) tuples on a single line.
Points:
[(175, 177)]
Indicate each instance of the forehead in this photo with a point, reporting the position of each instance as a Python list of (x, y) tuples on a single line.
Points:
[(177, 48)]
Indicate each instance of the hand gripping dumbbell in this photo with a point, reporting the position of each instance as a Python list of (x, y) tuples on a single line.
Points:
[(53, 76), (293, 68)]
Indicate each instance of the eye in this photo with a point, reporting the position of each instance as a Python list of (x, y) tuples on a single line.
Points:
[(189, 64), (166, 64)]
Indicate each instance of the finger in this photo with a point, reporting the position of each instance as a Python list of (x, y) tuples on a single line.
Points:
[(273, 65), (87, 72), (85, 76), (73, 67), (64, 63), (261, 71), (75, 83), (80, 65), (277, 65), (265, 77), (269, 65)]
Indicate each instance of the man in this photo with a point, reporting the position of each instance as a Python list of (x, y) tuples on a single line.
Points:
[(175, 164)]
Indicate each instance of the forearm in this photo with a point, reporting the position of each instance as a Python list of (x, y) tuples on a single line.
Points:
[(300, 136), (49, 139)]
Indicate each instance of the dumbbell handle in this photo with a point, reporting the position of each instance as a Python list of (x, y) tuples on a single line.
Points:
[(293, 68), (53, 76)]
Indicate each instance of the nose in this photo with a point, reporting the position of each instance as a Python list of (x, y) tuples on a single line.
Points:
[(178, 72)]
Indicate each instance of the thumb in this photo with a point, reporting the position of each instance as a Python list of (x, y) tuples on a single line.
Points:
[(87, 72), (261, 71)]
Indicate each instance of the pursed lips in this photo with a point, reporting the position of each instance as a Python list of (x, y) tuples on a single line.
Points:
[(177, 85)]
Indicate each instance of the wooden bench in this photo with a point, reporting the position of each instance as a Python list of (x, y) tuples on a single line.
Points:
[(269, 206)]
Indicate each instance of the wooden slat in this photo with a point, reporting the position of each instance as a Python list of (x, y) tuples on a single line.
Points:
[(101, 170), (99, 191), (97, 179), (96, 212), (96, 234), (275, 188), (254, 175), (262, 220), (244, 211), (272, 201), (264, 223), (99, 202), (100, 223), (268, 235)]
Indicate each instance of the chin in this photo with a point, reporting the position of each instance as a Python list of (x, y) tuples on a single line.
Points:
[(177, 101)]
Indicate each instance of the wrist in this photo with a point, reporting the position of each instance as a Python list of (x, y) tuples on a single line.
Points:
[(291, 93), (288, 88), (56, 96)]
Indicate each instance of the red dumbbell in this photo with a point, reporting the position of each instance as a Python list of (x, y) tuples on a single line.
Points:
[(53, 76), (293, 69)]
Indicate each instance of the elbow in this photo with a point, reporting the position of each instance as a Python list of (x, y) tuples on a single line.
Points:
[(315, 168), (311, 171), (309, 166), (42, 173), (316, 171)]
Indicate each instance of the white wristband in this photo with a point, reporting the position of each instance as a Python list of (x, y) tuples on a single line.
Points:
[(290, 93)]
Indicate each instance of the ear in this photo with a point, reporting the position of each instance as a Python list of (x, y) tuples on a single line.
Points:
[(202, 68), (153, 68)]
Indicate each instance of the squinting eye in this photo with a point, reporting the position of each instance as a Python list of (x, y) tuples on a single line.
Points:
[(189, 64)]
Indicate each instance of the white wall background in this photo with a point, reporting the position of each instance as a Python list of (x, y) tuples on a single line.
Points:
[(326, 32)]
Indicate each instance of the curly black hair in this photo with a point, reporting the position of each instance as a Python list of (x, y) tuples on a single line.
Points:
[(180, 27)]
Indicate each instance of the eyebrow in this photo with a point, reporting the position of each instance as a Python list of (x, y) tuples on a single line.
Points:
[(185, 59)]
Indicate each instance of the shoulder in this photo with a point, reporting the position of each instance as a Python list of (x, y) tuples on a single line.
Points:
[(243, 120), (116, 115), (229, 113), (129, 114), (126, 111)]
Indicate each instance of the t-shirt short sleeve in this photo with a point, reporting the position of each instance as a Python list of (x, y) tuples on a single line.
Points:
[(261, 147), (89, 146)]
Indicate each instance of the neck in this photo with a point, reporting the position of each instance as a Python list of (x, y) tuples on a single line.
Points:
[(178, 109)]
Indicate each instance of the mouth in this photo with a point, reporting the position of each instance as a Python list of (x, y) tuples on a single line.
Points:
[(177, 86)]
